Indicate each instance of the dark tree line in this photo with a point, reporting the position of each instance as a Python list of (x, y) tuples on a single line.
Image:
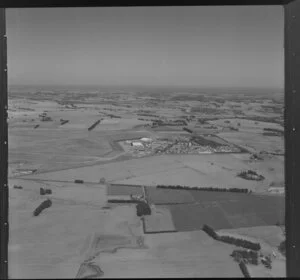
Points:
[(93, 125), (62, 122), (187, 129), (122, 201), (174, 187), (240, 242), (45, 204), (244, 269), (232, 240)]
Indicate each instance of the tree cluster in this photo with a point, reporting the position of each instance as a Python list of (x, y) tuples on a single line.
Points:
[(250, 175), (247, 256), (142, 208), (267, 262), (77, 181)]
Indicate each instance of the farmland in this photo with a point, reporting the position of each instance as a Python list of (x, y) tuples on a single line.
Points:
[(81, 225), (192, 210)]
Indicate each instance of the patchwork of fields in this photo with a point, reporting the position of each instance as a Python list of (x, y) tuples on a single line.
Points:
[(191, 209), (85, 224)]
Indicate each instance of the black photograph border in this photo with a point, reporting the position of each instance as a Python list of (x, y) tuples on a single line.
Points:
[(291, 113)]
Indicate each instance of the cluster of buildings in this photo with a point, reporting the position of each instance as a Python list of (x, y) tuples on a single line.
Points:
[(191, 148), (178, 145)]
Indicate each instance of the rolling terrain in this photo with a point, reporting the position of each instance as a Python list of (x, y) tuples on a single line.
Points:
[(83, 235)]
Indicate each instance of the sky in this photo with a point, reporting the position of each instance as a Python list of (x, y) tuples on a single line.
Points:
[(222, 46)]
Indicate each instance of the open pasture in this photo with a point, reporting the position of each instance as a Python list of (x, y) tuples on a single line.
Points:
[(214, 170), (118, 124), (55, 242), (271, 235), (218, 170), (128, 135), (110, 171), (245, 125), (172, 255), (169, 176), (81, 194), (255, 142), (160, 220)]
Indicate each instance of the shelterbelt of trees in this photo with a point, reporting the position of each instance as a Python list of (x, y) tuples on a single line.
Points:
[(213, 189), (231, 240)]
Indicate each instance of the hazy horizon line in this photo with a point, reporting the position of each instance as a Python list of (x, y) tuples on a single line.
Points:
[(145, 86)]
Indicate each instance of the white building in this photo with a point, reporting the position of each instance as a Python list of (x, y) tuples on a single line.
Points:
[(137, 144), (145, 139)]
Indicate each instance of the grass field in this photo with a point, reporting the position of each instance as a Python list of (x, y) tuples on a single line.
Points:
[(180, 254), (160, 220), (55, 243), (218, 170), (255, 142), (271, 235)]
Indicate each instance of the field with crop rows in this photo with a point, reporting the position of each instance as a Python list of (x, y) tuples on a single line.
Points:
[(124, 190)]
